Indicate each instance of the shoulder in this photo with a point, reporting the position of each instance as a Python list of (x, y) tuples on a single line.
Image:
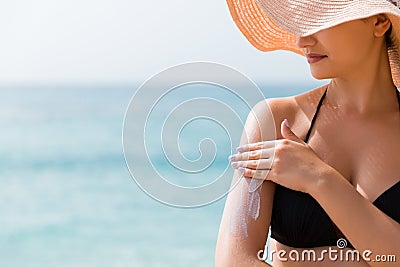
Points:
[(298, 109)]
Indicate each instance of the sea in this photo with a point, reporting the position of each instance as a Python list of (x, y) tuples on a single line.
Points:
[(67, 196)]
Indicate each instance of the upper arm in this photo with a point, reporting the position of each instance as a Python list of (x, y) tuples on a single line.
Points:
[(260, 126)]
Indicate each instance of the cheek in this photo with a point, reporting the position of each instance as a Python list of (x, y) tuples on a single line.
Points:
[(345, 53), (350, 51)]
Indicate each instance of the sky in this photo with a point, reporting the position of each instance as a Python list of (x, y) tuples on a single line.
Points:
[(125, 42)]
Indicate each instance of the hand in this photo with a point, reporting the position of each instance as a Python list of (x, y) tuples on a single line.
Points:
[(289, 162)]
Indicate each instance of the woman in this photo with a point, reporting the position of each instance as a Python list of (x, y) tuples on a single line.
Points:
[(331, 170)]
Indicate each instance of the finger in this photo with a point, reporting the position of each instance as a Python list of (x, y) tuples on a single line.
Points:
[(256, 174), (253, 164), (255, 154), (287, 133), (256, 146)]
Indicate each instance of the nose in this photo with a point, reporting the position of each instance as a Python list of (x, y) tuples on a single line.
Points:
[(305, 41)]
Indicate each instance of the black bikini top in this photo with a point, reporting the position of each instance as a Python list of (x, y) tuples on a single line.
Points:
[(299, 221)]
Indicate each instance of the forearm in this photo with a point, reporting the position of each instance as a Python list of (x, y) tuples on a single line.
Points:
[(365, 226)]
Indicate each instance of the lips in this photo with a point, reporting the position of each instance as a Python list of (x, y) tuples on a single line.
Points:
[(314, 58)]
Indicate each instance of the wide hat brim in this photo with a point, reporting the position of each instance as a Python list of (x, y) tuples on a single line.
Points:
[(275, 24)]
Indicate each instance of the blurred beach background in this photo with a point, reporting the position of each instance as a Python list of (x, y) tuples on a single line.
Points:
[(68, 70)]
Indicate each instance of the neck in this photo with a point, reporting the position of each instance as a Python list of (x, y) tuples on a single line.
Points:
[(369, 90)]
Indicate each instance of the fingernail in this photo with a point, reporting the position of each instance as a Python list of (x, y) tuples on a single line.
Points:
[(241, 169), (286, 122), (239, 149), (234, 164), (231, 157)]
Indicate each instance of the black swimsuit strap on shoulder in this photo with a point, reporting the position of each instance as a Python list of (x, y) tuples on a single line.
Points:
[(319, 106), (315, 115)]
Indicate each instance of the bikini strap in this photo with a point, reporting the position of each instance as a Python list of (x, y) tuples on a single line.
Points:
[(316, 113), (319, 106)]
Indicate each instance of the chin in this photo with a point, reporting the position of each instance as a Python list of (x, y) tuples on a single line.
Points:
[(321, 74)]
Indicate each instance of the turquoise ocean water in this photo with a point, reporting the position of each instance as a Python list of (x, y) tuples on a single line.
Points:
[(67, 198)]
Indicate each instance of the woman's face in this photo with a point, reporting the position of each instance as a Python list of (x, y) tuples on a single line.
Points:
[(339, 50)]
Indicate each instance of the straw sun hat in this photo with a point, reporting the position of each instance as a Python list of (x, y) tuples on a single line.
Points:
[(275, 24)]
